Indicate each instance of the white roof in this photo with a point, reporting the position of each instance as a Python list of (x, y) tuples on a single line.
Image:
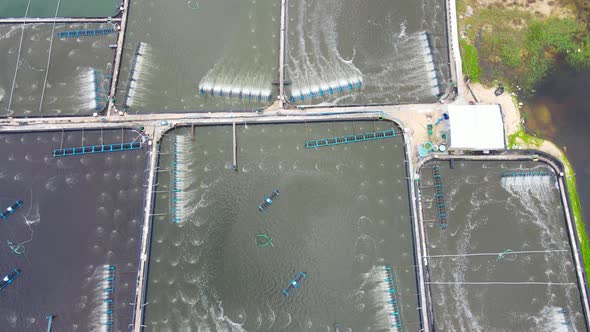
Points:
[(476, 127)]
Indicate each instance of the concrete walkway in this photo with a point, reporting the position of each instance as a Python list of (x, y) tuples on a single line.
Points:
[(118, 56)]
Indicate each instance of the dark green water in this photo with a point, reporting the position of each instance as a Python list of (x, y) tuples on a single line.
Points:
[(79, 215), (396, 49), (67, 8), (219, 47), (76, 82), (342, 215), (489, 214)]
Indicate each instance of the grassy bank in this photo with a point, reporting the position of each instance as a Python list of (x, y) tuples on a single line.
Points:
[(576, 210), (470, 60), (521, 140), (518, 47)]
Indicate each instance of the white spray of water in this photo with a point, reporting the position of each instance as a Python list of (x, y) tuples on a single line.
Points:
[(552, 319), (99, 318), (141, 75), (316, 66), (180, 181), (378, 290), (87, 90), (227, 79)]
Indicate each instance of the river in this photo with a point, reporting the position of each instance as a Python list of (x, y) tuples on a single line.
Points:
[(559, 112)]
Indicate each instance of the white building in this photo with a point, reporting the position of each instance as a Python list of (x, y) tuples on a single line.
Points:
[(476, 128)]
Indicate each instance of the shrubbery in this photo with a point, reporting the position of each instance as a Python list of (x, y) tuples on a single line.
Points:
[(517, 48)]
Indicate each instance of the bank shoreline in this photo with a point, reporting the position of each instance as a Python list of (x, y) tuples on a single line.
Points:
[(517, 138)]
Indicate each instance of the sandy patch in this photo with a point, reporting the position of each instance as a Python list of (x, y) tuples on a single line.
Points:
[(510, 111), (539, 7)]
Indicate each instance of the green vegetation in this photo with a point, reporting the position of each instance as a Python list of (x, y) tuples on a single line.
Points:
[(576, 209), (461, 6), (470, 60), (521, 137), (518, 48)]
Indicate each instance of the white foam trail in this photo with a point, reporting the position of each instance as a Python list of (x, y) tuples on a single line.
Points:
[(140, 75), (99, 318), (87, 90), (379, 285), (429, 64), (553, 319), (236, 91), (316, 66), (228, 79), (180, 184)]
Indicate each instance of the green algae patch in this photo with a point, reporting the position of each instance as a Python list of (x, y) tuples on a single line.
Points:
[(470, 60), (521, 139), (576, 210)]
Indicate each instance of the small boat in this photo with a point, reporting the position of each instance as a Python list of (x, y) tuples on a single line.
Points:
[(10, 210), (295, 282), (9, 278), (268, 200)]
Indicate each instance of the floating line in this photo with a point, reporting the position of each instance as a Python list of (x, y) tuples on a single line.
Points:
[(263, 240), (96, 149), (525, 174), (18, 249), (78, 33), (196, 6), (498, 253), (18, 55), (350, 139), (178, 184), (440, 197), (540, 283), (324, 89), (49, 57), (393, 306), (109, 297)]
